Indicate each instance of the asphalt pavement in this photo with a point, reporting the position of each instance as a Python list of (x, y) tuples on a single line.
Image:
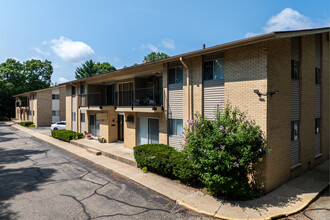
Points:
[(40, 181)]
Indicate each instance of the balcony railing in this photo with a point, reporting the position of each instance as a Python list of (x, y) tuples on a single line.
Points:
[(91, 99), (22, 104), (139, 97)]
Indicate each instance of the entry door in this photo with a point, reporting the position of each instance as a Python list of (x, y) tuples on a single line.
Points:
[(92, 124), (121, 127), (148, 131)]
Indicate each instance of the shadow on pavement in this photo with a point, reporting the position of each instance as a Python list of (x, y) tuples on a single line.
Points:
[(14, 181)]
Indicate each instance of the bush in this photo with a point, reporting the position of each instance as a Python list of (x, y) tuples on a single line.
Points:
[(66, 135), (224, 151), (27, 124), (166, 161)]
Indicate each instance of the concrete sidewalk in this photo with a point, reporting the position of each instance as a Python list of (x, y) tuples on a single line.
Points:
[(287, 199)]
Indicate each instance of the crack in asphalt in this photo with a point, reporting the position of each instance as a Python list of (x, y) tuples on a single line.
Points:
[(80, 203)]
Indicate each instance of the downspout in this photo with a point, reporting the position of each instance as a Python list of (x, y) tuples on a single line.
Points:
[(188, 86)]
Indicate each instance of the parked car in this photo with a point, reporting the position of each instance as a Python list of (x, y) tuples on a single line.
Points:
[(61, 125)]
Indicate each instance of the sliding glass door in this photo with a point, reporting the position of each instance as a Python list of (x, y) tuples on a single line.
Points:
[(148, 131)]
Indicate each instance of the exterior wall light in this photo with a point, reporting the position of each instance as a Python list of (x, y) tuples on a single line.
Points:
[(256, 91)]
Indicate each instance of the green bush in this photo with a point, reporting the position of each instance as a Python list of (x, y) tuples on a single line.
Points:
[(166, 161), (66, 135), (224, 151), (27, 124)]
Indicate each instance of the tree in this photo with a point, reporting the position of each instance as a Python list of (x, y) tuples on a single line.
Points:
[(90, 68), (17, 77), (153, 56)]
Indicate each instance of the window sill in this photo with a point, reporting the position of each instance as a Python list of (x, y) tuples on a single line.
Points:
[(296, 166), (318, 156)]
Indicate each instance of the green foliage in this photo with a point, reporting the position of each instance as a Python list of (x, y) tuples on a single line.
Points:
[(144, 169), (153, 56), (224, 151), (89, 68), (166, 161), (66, 135), (17, 77), (28, 124)]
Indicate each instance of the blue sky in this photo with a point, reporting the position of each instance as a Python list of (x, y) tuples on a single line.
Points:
[(122, 32)]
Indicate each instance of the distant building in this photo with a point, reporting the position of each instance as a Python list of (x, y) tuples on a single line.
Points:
[(43, 107)]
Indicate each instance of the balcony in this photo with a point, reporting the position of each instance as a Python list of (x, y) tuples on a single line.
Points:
[(143, 97), (91, 100)]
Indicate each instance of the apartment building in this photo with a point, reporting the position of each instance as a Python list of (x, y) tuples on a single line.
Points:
[(280, 79), (43, 107)]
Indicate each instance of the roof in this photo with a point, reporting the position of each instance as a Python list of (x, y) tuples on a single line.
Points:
[(220, 47), (39, 90)]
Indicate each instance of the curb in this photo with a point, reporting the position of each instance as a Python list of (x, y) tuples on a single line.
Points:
[(181, 203)]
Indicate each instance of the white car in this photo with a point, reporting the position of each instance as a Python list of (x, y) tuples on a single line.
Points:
[(61, 125)]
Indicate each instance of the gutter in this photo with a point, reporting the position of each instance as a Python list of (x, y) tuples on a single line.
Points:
[(188, 86)]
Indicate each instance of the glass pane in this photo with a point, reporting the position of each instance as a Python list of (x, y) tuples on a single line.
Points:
[(97, 128), (153, 134), (294, 69), (142, 131), (179, 75), (295, 130), (171, 76), (171, 125), (82, 89), (219, 69), (179, 127), (208, 70)]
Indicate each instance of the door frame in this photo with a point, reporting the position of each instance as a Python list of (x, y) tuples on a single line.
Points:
[(121, 118)]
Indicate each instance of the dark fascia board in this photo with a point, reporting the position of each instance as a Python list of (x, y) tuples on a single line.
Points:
[(39, 90), (298, 33)]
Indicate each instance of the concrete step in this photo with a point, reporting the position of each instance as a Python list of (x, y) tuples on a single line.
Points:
[(93, 151), (116, 156)]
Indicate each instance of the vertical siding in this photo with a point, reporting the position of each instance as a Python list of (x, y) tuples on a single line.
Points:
[(295, 100), (295, 152), (176, 142), (317, 101), (175, 106), (175, 101), (317, 144), (213, 92)]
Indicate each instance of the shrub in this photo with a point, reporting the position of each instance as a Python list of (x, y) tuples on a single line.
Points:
[(66, 135), (27, 124), (166, 161), (224, 151)]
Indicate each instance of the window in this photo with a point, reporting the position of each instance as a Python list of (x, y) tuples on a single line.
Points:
[(317, 75), (73, 116), (33, 112), (55, 96), (82, 89), (175, 75), (317, 125), (55, 113), (294, 130), (82, 117), (175, 127), (73, 91), (214, 69), (61, 123), (295, 69)]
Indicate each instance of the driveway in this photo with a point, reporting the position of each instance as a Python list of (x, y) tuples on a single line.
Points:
[(43, 130), (39, 181)]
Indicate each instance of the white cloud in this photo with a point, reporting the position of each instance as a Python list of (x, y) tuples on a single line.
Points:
[(38, 50), (116, 59), (62, 80), (151, 47), (289, 19), (168, 43), (71, 51)]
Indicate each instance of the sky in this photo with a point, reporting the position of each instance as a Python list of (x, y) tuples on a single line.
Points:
[(70, 32)]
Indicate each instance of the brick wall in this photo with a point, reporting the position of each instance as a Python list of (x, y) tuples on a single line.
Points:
[(278, 113), (245, 71), (130, 131), (68, 107), (325, 100), (62, 103), (44, 108)]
